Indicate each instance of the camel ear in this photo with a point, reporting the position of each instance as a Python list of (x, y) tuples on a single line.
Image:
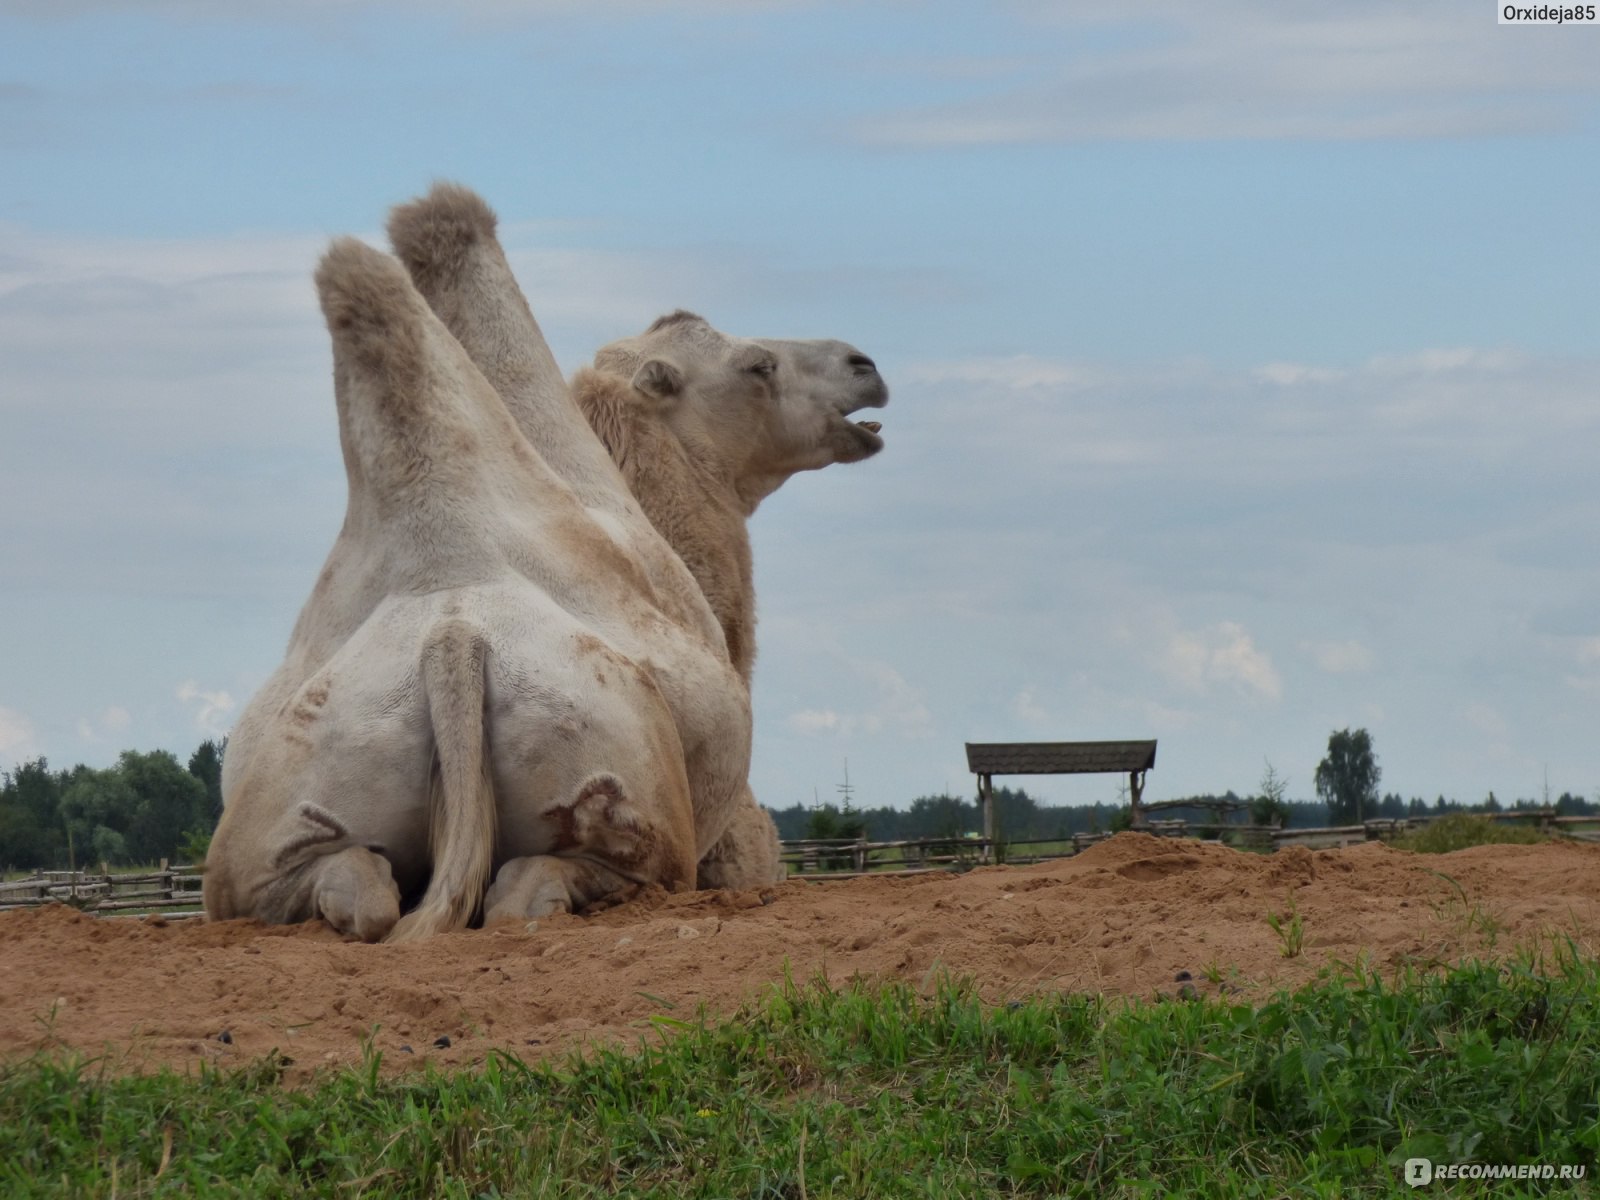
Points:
[(658, 379)]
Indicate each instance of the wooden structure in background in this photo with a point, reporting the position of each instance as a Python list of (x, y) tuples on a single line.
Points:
[(988, 759)]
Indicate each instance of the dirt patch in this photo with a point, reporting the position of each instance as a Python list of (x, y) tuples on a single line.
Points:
[(1125, 917)]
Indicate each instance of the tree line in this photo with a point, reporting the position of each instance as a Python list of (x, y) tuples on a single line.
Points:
[(147, 807), (1346, 782)]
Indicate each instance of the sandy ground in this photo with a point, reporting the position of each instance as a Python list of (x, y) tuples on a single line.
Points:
[(1125, 917)]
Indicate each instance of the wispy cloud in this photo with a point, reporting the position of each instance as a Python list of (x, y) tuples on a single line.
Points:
[(892, 707), (1340, 658), (1261, 71), (17, 738), (110, 724), (212, 709)]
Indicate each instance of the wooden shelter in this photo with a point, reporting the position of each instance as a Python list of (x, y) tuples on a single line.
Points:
[(988, 759)]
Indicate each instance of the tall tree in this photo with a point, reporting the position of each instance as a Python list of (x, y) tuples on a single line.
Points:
[(169, 803), (29, 822), (205, 764), (1347, 779), (1268, 808)]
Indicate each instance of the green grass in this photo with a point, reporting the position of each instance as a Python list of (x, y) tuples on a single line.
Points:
[(1461, 830), (876, 1091)]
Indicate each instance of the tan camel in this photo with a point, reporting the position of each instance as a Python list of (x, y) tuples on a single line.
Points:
[(704, 426), (486, 679)]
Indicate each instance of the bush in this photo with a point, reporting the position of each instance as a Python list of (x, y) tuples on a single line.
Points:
[(1460, 830)]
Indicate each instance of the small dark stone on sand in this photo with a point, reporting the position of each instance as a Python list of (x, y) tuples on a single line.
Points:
[(1182, 977), (225, 1038), (407, 1050), (443, 1043)]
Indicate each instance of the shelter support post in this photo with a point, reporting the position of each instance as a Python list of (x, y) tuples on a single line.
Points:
[(1135, 794), (986, 804)]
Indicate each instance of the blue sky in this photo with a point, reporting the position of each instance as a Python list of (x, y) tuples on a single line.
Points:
[(1245, 381)]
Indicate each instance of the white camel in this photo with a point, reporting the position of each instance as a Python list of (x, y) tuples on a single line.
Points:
[(704, 426), (487, 680)]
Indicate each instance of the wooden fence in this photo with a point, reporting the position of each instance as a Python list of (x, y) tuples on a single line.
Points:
[(814, 858), (171, 890), (175, 890)]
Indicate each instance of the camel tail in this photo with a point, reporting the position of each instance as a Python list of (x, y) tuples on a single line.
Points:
[(461, 802)]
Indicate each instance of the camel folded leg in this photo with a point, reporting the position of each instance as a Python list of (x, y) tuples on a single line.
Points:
[(747, 855), (306, 866), (541, 884), (355, 892), (605, 846)]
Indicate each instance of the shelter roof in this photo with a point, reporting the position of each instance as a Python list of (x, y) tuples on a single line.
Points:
[(1059, 758)]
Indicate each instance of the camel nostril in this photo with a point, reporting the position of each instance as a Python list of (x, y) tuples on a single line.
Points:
[(861, 364)]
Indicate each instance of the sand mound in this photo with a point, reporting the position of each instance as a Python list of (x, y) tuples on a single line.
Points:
[(1124, 917)]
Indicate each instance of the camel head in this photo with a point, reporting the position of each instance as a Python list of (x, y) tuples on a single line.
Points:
[(753, 410)]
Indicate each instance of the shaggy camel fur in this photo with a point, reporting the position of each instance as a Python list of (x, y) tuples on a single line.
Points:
[(704, 426), (487, 680)]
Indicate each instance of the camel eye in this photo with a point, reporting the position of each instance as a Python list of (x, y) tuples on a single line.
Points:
[(765, 369)]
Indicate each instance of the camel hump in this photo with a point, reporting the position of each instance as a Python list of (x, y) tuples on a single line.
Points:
[(433, 234), (369, 304), (409, 417)]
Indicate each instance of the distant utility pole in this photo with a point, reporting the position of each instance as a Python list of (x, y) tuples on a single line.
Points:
[(844, 789)]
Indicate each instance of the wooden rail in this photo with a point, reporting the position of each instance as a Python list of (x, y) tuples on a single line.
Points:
[(172, 890), (845, 858)]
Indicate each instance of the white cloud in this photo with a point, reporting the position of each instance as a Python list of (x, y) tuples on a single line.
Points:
[(814, 720), (211, 708), (1222, 655), (1018, 371), (897, 707), (1340, 658), (1029, 711), (113, 721), (18, 742)]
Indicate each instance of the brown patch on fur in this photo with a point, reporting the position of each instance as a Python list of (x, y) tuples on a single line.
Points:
[(310, 704), (566, 823)]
